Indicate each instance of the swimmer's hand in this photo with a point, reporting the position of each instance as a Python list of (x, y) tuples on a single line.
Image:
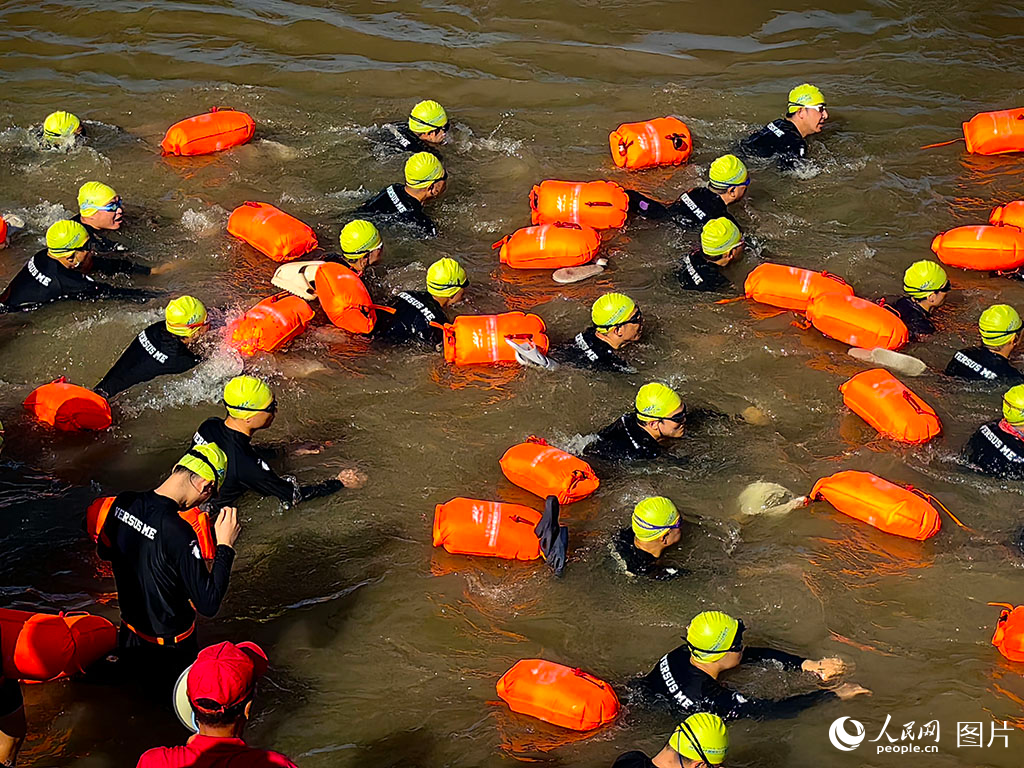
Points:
[(826, 668), (227, 527), (352, 478), (167, 266), (847, 691)]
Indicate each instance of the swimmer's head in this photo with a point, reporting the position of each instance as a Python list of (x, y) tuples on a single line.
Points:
[(728, 177), (656, 517), (1013, 406), (713, 634), (721, 241), (209, 463), (61, 127), (185, 316), (68, 242), (702, 738), (361, 244), (999, 325), (429, 121), (926, 282), (101, 205), (446, 280), (617, 318), (806, 109), (248, 398), (425, 173), (660, 410)]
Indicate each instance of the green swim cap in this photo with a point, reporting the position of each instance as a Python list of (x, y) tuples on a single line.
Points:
[(66, 236), (207, 460), (59, 125), (656, 401), (359, 238), (1013, 405), (701, 737), (719, 236), (998, 325), (185, 316), (653, 516), (923, 278), (727, 171), (427, 116), (422, 170), (247, 396), (93, 195), (710, 635), (445, 278), (610, 310), (805, 95)]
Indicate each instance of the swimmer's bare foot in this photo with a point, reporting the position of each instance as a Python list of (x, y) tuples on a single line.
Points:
[(352, 478), (162, 269), (754, 415)]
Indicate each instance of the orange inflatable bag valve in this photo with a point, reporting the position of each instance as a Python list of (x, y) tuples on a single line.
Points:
[(995, 133), (97, 512), (38, 647), (1009, 634), (652, 143), (596, 204), (271, 324), (69, 407), (546, 471), (1009, 215), (886, 506), (488, 528), (211, 132), (476, 339), (557, 694), (344, 298), (885, 403), (857, 322), (791, 287), (549, 246), (271, 231), (981, 247)]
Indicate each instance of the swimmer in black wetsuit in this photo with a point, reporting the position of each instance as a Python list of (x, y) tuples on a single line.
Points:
[(60, 130), (700, 741), (100, 210), (659, 417), (361, 246), (417, 314), (785, 138), (687, 677), (617, 321), (427, 128), (926, 287), (720, 244), (1000, 327), (160, 349), (654, 527), (727, 183), (425, 179), (997, 448)]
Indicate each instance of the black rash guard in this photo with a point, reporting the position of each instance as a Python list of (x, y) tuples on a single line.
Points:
[(162, 581), (693, 209), (401, 139), (696, 273), (982, 364), (10, 695), (692, 690), (587, 351), (43, 280), (633, 760), (638, 562), (395, 201), (624, 440), (411, 321), (154, 352), (100, 243), (780, 138), (247, 471), (997, 449), (913, 316)]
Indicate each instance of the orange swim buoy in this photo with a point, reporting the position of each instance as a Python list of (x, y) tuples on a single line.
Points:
[(546, 471), (885, 403), (857, 322), (597, 204), (652, 143), (271, 231), (474, 339), (210, 132), (1009, 215), (489, 528), (995, 133), (69, 407), (39, 647), (96, 516), (791, 287), (344, 298), (270, 325), (888, 507), (1009, 634), (981, 246), (549, 246), (558, 694)]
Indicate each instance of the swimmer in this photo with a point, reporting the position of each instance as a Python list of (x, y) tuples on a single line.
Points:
[(727, 182), (925, 288), (616, 322), (60, 130), (58, 272), (100, 210), (785, 138), (220, 689), (161, 349), (720, 244), (700, 741), (425, 180), (658, 418), (654, 527), (688, 676), (251, 406), (361, 245), (997, 448), (428, 127), (418, 314), (1000, 327)]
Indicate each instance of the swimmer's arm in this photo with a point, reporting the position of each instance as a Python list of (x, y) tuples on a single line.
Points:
[(730, 704), (108, 266), (788, 661), (647, 207), (317, 490), (262, 479), (206, 587)]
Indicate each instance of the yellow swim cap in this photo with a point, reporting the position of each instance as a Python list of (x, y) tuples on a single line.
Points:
[(727, 171), (701, 737), (998, 325), (711, 635), (359, 238), (656, 401), (422, 170), (446, 277), (611, 310), (184, 316), (93, 195), (805, 95), (1013, 405), (66, 236), (207, 460), (428, 116), (719, 236), (923, 278), (59, 125), (653, 516), (247, 396)]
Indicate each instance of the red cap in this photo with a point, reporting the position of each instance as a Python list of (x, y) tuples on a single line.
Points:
[(224, 675)]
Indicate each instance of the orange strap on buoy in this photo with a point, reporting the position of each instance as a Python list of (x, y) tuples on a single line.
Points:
[(218, 129), (271, 231), (69, 407), (596, 204), (1009, 215), (39, 647), (981, 247), (546, 471), (480, 339), (787, 287), (557, 694), (1009, 634), (549, 246), (856, 321), (942, 143), (489, 528), (888, 405), (888, 507), (663, 141), (271, 324), (344, 298)]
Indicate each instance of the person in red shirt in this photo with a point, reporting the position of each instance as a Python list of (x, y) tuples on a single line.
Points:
[(220, 686)]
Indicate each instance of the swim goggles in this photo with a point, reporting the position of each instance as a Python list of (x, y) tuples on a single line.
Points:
[(217, 473), (272, 408), (637, 317), (679, 418), (691, 737), (639, 522), (112, 206), (444, 127)]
